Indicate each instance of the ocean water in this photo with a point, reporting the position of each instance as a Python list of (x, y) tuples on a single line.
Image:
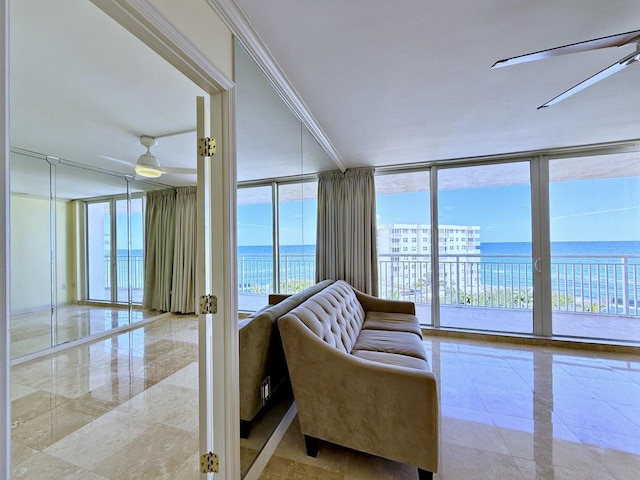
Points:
[(563, 248), (604, 272), (601, 271)]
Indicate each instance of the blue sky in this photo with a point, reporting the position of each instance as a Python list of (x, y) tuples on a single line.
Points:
[(121, 229), (297, 223), (586, 210)]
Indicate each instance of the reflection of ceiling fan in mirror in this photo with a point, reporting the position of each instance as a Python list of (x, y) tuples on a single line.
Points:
[(148, 165), (618, 40)]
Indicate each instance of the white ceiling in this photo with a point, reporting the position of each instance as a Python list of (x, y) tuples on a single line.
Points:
[(410, 81), (81, 87), (389, 83), (84, 89)]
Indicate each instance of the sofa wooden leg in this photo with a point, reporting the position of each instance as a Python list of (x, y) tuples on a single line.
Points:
[(424, 475), (313, 446), (245, 428)]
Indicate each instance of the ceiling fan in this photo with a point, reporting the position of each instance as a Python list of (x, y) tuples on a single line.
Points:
[(618, 40), (148, 165)]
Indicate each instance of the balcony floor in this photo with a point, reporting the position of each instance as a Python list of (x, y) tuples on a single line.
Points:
[(501, 320), (565, 324)]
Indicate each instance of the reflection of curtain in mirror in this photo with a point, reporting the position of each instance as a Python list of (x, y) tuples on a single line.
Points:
[(330, 227), (184, 259), (159, 246)]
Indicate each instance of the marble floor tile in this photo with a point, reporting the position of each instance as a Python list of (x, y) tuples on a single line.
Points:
[(155, 454), (45, 467), (167, 404), (126, 407), (111, 433)]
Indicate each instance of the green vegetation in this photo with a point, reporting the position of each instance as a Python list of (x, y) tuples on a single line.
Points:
[(294, 286)]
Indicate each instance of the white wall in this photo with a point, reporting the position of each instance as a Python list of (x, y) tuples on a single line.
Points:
[(31, 254), (201, 25)]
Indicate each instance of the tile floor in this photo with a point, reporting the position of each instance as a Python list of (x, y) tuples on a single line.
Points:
[(36, 331), (126, 408)]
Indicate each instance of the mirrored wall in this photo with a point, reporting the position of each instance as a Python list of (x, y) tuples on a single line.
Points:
[(76, 251), (278, 159)]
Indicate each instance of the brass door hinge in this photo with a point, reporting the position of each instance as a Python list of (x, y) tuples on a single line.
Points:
[(207, 146), (209, 463), (208, 304)]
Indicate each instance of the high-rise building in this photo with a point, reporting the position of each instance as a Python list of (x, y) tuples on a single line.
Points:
[(404, 257)]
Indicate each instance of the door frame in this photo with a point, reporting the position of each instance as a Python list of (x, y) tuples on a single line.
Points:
[(5, 276), (145, 21)]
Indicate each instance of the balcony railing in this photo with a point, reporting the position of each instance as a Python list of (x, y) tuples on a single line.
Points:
[(122, 271), (603, 284), (255, 273), (607, 284)]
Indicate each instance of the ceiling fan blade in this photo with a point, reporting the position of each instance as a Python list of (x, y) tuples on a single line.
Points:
[(607, 72), (117, 160), (177, 170), (597, 43)]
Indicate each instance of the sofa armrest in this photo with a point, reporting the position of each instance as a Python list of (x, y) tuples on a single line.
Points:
[(375, 304), (381, 409)]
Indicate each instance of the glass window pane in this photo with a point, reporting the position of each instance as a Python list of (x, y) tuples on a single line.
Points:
[(298, 205), (594, 203), (404, 239), (137, 249), (255, 247), (484, 247), (99, 251)]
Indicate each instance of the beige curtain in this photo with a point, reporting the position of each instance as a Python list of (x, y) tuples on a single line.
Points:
[(330, 227), (346, 229), (183, 298), (159, 246), (361, 257)]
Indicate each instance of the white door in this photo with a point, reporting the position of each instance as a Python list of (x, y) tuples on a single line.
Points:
[(216, 276)]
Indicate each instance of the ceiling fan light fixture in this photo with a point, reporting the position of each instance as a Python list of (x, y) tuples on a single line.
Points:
[(148, 166)]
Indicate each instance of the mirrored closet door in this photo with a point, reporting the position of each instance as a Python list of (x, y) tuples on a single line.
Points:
[(77, 244)]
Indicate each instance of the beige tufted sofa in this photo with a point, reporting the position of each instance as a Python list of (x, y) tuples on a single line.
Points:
[(360, 376), (261, 355)]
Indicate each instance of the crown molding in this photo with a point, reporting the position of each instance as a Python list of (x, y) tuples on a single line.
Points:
[(236, 21), (148, 24)]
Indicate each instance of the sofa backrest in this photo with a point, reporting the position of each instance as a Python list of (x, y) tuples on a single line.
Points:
[(261, 351), (289, 302), (335, 315)]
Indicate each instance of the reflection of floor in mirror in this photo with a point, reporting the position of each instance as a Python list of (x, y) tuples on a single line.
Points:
[(32, 332), (264, 425)]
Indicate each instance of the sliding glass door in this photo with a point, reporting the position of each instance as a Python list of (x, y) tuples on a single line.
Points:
[(99, 248), (594, 205), (545, 246), (404, 239), (114, 249), (484, 264)]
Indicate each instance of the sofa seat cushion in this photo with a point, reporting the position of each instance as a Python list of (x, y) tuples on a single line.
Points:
[(397, 322), (401, 343), (393, 359)]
